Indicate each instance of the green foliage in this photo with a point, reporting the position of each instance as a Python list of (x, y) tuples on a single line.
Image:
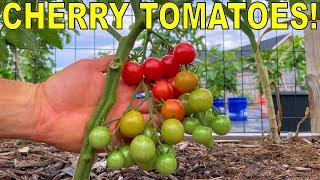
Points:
[(287, 57), (220, 72), (32, 46)]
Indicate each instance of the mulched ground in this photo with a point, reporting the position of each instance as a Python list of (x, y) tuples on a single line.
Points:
[(293, 159)]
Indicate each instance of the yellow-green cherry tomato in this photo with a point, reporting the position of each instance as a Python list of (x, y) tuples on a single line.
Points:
[(132, 124), (99, 137), (200, 100), (172, 131), (203, 135), (149, 165)]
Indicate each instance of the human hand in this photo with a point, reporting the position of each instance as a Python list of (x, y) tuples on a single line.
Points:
[(68, 99)]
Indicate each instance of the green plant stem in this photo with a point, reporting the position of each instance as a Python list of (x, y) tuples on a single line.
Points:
[(108, 98), (114, 32), (145, 45), (169, 46), (263, 75)]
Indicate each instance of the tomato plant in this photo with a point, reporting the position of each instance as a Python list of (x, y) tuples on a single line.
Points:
[(151, 133), (162, 90), (186, 81), (173, 108), (172, 131), (153, 68), (132, 73), (149, 165), (132, 124), (99, 137)]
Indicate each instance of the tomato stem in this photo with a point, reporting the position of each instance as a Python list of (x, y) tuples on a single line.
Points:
[(169, 46), (133, 97)]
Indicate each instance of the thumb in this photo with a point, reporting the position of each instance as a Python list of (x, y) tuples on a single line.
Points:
[(101, 64)]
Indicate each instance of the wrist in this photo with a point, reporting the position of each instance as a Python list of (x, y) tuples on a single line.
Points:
[(18, 104)]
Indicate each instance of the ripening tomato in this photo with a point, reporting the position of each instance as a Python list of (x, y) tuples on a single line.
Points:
[(186, 81), (132, 73), (99, 137), (162, 90), (171, 68), (115, 160), (173, 108), (172, 131), (200, 100), (166, 164), (184, 53), (153, 68), (142, 149), (176, 92), (132, 124)]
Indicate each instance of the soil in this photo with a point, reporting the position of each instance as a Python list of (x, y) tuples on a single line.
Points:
[(292, 159)]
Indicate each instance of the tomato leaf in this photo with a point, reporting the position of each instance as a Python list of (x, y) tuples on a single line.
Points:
[(22, 38), (4, 53)]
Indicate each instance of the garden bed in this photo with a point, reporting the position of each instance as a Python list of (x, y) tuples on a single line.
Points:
[(294, 159)]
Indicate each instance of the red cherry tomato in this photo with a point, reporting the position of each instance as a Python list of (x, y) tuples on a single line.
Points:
[(184, 53), (153, 68), (176, 92), (171, 68), (162, 90), (173, 108), (132, 73)]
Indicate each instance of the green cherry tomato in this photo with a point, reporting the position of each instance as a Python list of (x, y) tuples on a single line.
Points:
[(166, 164), (200, 100), (125, 150), (166, 149), (172, 131), (99, 137), (148, 166), (142, 149), (190, 123), (115, 160), (203, 135), (184, 98), (151, 133), (221, 125)]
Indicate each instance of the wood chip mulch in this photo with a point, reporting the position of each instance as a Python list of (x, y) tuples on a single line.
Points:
[(292, 159)]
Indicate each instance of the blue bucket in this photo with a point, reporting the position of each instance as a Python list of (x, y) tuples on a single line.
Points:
[(238, 108), (218, 103)]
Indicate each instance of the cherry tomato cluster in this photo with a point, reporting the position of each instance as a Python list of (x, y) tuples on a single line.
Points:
[(175, 95)]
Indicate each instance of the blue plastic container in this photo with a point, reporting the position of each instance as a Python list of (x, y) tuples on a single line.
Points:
[(219, 104), (238, 108)]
